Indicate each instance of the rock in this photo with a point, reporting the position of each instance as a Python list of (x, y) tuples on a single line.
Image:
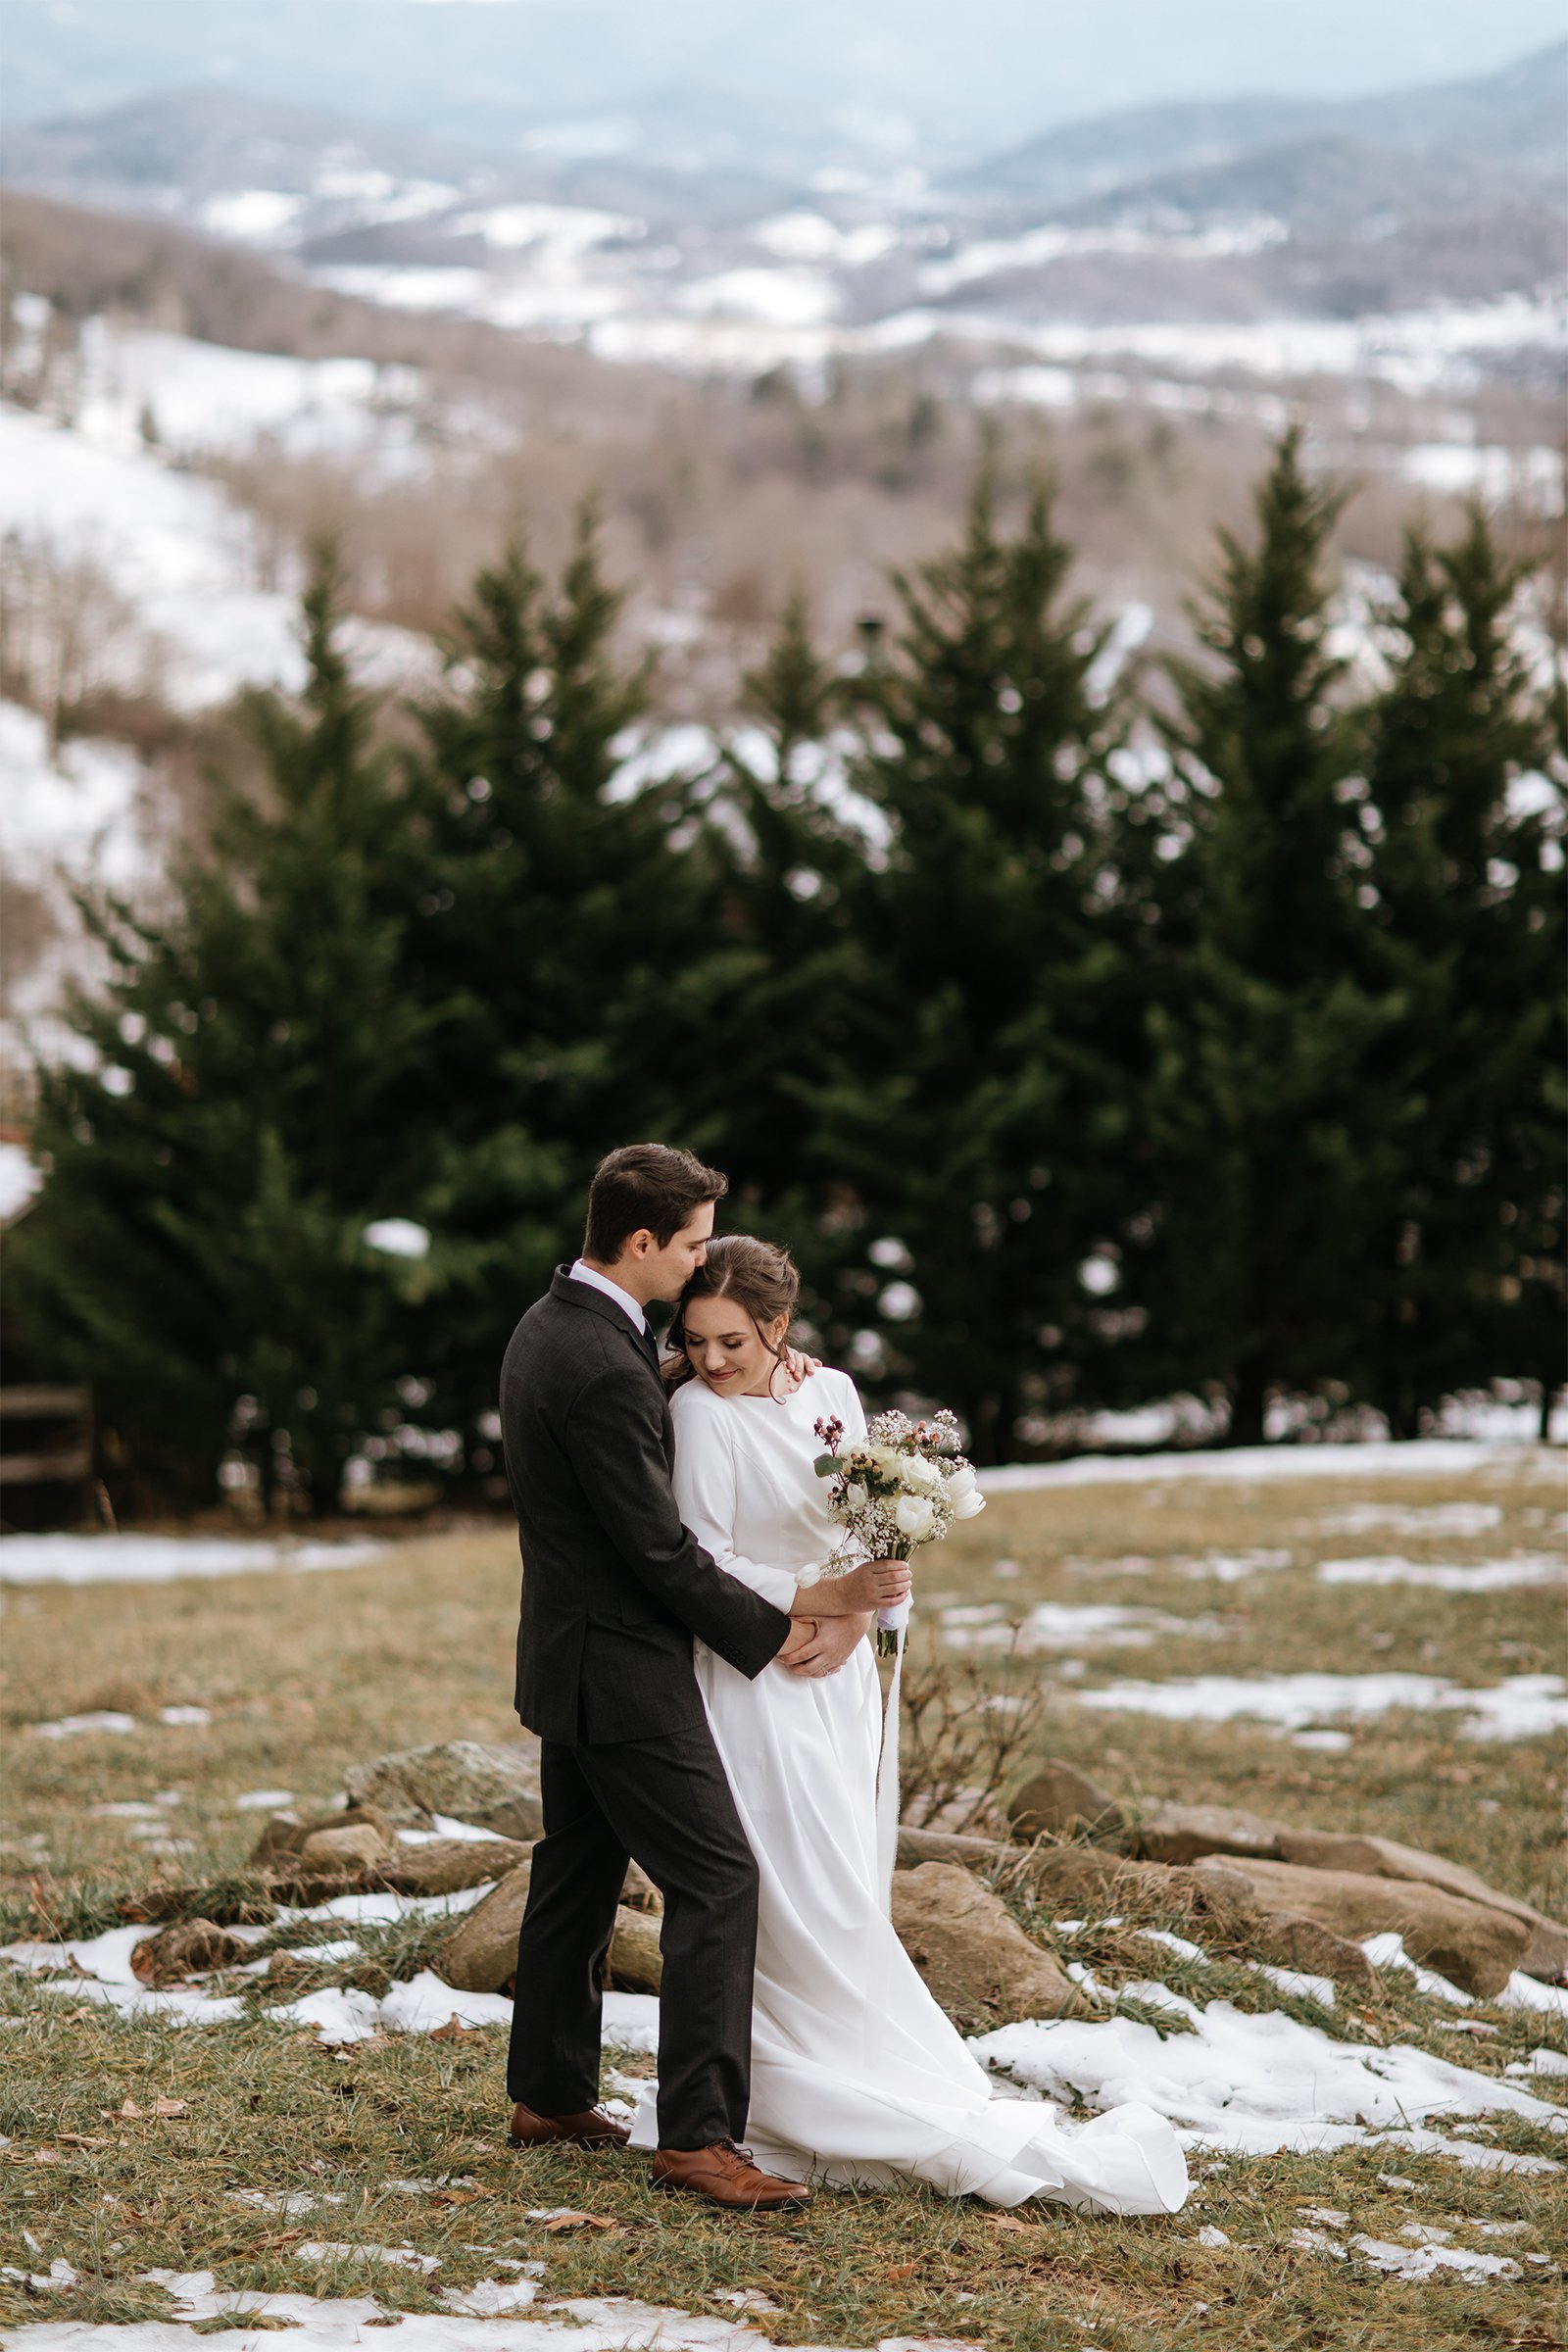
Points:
[(639, 1894), (1308, 1946), (447, 1864), (1060, 1801), (281, 1836), (636, 1963), (285, 1836), (481, 1953), (974, 1956), (1177, 1834), (1546, 1953), (354, 1845), (1074, 1878), (494, 1787), (186, 1950), (947, 1845), (1474, 1945)]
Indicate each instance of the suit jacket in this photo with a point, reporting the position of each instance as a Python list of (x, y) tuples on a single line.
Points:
[(613, 1588)]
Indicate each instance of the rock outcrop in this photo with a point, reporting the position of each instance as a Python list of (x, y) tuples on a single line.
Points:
[(974, 1956), (1474, 1945), (1544, 1955), (481, 1952), (494, 1787), (1177, 1834), (186, 1950), (1060, 1801), (480, 1955)]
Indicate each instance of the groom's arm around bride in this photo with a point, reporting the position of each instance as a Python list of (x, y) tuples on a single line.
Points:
[(613, 1591)]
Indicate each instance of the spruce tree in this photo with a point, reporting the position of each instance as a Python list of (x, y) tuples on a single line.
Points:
[(788, 855), (567, 931), (979, 1104), (231, 1123), (1273, 1124), (1468, 924)]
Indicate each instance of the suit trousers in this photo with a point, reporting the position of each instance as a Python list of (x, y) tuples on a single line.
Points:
[(666, 1802)]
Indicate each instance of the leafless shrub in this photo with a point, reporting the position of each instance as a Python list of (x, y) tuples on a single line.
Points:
[(65, 631), (962, 1741)]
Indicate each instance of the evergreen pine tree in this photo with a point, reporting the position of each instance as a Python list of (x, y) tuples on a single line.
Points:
[(232, 1124), (1274, 1140), (979, 1107), (567, 931), (1468, 925), (788, 857)]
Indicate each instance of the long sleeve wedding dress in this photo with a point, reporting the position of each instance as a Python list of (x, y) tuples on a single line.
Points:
[(857, 2074)]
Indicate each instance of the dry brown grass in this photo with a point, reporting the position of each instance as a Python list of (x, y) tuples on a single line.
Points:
[(305, 1673)]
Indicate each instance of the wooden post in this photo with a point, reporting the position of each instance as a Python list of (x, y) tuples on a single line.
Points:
[(66, 1459)]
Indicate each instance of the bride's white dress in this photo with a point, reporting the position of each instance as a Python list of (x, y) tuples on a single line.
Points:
[(856, 2075)]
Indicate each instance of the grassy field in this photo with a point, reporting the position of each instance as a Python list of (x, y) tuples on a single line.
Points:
[(304, 1674)]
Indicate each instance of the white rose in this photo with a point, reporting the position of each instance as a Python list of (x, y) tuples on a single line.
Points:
[(922, 1476), (912, 1516), (960, 1481), (855, 1496), (968, 1506)]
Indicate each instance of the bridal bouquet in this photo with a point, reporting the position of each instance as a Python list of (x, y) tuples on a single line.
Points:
[(904, 1484)]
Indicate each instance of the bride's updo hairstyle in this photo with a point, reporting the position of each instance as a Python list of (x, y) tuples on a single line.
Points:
[(760, 1277)]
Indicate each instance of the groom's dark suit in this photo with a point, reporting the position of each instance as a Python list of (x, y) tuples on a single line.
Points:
[(613, 1590)]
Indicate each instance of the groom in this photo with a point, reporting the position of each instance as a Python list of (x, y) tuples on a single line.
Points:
[(614, 1591)]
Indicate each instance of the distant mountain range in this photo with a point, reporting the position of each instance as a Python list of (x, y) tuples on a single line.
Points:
[(853, 80), (708, 151), (1504, 134), (695, 204)]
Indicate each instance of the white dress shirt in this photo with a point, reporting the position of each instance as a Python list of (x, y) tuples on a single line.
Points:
[(579, 1272)]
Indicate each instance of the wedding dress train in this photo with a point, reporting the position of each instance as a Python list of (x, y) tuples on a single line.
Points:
[(857, 2074)]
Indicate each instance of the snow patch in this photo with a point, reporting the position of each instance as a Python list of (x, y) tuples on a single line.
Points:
[(1525, 1706), (179, 556), (157, 1560), (1414, 1518), (1536, 1568), (477, 2318), (1064, 1625), (1528, 1992), (1262, 2084), (1420, 1457)]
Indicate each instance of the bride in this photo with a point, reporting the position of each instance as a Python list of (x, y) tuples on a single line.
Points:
[(857, 2074)]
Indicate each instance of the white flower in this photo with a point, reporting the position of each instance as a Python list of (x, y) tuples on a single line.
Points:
[(960, 1481), (855, 1496), (912, 1516), (921, 1477), (968, 1506)]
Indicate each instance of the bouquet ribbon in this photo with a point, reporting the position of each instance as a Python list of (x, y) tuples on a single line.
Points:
[(893, 1623)]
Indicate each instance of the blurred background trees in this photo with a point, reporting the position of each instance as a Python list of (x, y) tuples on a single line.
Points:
[(1091, 1037)]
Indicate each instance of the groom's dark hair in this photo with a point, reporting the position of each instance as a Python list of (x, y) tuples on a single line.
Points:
[(644, 1185)]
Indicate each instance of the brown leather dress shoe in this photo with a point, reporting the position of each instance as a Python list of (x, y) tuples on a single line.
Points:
[(726, 2176), (592, 2129)]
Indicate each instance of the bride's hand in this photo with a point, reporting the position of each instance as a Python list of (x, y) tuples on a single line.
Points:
[(874, 1585), (801, 1367)]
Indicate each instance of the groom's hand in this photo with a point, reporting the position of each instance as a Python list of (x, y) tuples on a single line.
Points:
[(800, 1639), (874, 1585), (833, 1642)]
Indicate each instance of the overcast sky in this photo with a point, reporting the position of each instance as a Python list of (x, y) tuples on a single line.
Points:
[(973, 68)]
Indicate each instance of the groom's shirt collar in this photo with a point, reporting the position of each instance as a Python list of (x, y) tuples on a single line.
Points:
[(579, 1272)]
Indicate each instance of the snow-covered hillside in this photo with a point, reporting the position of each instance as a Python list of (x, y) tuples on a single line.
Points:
[(207, 608)]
